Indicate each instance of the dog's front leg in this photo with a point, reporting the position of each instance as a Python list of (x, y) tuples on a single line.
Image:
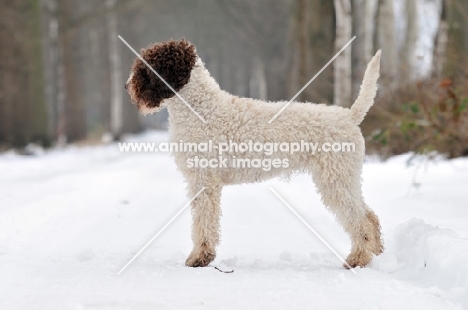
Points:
[(206, 214)]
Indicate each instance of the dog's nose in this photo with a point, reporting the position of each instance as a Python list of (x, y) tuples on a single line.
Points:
[(125, 85)]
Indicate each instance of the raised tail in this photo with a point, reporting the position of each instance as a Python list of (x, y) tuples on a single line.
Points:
[(368, 90)]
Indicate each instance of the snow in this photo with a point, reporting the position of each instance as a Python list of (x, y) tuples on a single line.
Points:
[(71, 218)]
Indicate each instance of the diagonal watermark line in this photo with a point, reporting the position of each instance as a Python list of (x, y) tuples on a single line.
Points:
[(164, 81), (313, 230), (311, 80), (161, 230)]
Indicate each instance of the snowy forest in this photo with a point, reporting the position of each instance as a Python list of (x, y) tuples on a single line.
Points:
[(62, 67), (94, 216)]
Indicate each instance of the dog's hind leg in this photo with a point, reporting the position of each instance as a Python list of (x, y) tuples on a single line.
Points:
[(340, 188), (206, 215)]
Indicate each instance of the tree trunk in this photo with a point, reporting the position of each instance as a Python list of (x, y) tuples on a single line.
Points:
[(342, 64), (387, 42), (440, 45), (423, 21), (363, 45), (37, 116), (14, 84), (257, 83), (370, 16), (322, 34), (457, 45), (54, 71), (303, 44), (115, 71)]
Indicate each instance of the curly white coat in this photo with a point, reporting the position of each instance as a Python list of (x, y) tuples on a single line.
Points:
[(231, 118)]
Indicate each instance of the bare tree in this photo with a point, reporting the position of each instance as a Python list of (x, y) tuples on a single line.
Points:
[(115, 70), (370, 15), (387, 42), (22, 106), (36, 120), (321, 34), (301, 31), (53, 70), (14, 73), (457, 45), (257, 83), (342, 64), (363, 45), (64, 80), (422, 26), (440, 44)]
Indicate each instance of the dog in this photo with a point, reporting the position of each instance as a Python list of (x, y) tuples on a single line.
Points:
[(224, 118)]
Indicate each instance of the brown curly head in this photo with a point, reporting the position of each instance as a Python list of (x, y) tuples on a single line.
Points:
[(173, 61)]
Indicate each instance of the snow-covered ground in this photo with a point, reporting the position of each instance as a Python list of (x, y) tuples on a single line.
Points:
[(72, 218)]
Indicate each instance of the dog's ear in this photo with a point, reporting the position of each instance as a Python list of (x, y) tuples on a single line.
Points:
[(173, 60)]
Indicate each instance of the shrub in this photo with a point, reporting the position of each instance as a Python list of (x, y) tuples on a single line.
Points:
[(421, 117)]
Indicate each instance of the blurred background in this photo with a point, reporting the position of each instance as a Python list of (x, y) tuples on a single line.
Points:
[(62, 67)]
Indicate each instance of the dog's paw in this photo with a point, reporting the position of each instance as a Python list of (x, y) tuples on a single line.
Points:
[(360, 259), (200, 259)]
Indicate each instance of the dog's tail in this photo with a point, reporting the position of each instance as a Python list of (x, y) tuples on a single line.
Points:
[(368, 90)]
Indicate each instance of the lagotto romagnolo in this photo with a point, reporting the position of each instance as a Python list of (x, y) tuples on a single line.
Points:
[(337, 175)]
